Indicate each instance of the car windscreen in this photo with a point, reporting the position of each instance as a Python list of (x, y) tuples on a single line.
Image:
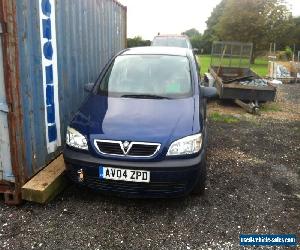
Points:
[(170, 42), (162, 76)]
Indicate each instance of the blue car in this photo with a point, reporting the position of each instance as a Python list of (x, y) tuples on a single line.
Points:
[(142, 132)]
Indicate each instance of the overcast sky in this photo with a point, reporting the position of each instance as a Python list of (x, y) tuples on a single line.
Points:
[(148, 17)]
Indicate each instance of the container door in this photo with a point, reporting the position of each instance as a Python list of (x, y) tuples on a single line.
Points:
[(5, 157)]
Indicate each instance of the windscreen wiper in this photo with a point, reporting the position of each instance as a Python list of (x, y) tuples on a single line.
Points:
[(145, 96)]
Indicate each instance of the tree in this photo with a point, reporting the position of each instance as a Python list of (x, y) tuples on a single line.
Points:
[(197, 42), (195, 38), (295, 33), (137, 41), (191, 33), (256, 21), (210, 33), (290, 37), (215, 16)]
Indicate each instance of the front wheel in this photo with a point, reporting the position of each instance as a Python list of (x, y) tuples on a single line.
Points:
[(199, 188)]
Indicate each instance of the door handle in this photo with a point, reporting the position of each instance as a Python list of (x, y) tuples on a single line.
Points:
[(2, 27), (3, 107)]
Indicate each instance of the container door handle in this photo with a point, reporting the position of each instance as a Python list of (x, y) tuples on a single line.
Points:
[(3, 107), (2, 27)]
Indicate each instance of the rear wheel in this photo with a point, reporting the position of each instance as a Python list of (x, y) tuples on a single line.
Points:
[(199, 188)]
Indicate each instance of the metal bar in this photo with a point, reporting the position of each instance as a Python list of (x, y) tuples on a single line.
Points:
[(125, 28), (224, 51), (294, 52), (230, 55), (235, 43), (241, 52), (234, 56), (249, 107), (212, 52), (251, 51)]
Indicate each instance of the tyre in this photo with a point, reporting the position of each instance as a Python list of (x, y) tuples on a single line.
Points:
[(199, 188)]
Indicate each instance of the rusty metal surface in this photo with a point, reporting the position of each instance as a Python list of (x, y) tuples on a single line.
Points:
[(235, 90), (5, 157), (12, 90)]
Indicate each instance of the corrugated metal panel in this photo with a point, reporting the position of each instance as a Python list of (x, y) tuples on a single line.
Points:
[(5, 157), (31, 84), (89, 41), (88, 34)]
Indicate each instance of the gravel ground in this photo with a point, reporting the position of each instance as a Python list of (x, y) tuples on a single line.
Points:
[(253, 187)]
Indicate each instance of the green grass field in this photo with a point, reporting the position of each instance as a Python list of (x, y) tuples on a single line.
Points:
[(260, 67)]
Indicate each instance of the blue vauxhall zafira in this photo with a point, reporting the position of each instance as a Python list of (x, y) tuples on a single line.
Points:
[(141, 132)]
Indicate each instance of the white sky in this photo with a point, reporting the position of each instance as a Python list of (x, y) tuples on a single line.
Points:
[(148, 17)]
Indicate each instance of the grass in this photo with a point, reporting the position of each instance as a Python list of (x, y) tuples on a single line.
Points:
[(270, 107), (217, 117), (260, 67), (204, 62), (297, 130)]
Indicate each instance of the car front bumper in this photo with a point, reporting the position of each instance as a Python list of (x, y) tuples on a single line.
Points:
[(169, 178)]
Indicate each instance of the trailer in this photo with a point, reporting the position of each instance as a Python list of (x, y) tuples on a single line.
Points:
[(230, 73)]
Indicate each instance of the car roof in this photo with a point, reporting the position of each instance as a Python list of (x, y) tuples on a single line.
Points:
[(157, 50), (172, 35)]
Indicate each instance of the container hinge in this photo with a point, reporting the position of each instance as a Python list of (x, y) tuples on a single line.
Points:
[(2, 27), (3, 107)]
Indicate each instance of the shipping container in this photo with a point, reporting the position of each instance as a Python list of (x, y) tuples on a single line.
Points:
[(49, 49)]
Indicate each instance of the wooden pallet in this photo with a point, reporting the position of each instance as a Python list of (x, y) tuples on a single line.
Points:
[(46, 184)]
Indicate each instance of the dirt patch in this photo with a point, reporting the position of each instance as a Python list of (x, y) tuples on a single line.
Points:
[(285, 108)]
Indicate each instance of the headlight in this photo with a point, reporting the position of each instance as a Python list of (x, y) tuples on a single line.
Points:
[(187, 145), (75, 139)]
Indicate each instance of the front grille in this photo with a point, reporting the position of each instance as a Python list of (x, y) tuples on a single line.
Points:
[(142, 150), (109, 148), (131, 149)]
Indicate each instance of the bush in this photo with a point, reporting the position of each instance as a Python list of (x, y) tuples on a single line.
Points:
[(288, 52), (285, 55), (137, 42)]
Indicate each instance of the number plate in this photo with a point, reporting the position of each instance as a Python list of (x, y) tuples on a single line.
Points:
[(120, 174)]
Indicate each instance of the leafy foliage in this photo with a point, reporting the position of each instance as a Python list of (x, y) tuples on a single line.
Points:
[(210, 33), (191, 33), (137, 41), (256, 21), (295, 32), (195, 38)]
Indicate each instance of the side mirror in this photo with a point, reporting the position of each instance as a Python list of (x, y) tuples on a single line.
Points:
[(195, 50), (208, 92), (88, 87)]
